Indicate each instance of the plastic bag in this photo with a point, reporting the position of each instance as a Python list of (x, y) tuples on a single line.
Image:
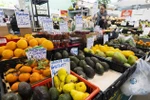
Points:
[(139, 82)]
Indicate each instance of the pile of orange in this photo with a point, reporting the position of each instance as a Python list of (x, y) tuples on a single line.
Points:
[(27, 73), (17, 49)]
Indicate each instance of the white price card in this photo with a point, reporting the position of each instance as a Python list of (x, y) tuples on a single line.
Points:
[(36, 53), (63, 27), (131, 23), (136, 24), (2, 23), (48, 25), (58, 64), (74, 50), (111, 34), (123, 23), (146, 31), (23, 19), (79, 22), (105, 38), (90, 42), (3, 40)]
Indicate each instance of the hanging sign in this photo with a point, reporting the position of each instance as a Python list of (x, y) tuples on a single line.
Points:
[(90, 42), (58, 64), (105, 38), (36, 53), (2, 23), (79, 22), (74, 50), (126, 13), (23, 19), (48, 25), (63, 27)]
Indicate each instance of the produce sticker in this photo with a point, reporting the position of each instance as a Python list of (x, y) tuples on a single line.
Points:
[(58, 64), (48, 25), (74, 50), (23, 19), (63, 27)]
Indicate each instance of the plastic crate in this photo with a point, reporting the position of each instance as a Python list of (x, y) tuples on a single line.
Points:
[(92, 89)]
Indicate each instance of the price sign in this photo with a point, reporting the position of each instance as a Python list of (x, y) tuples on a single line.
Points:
[(48, 25), (123, 23), (79, 22), (63, 27), (131, 23), (58, 64), (23, 19), (2, 23), (3, 40), (74, 51), (90, 42), (36, 53), (146, 31), (136, 24), (105, 38)]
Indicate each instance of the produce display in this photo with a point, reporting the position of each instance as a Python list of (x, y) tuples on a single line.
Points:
[(17, 49), (31, 72), (141, 44), (124, 57)]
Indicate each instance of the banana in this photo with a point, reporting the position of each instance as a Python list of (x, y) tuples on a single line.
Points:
[(62, 84), (11, 70), (59, 89), (56, 81)]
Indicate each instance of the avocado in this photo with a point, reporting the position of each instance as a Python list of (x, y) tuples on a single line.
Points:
[(73, 65), (75, 59), (99, 69), (82, 74), (24, 90), (89, 71), (81, 57), (65, 54), (95, 60), (82, 63), (81, 52), (65, 96), (54, 93), (109, 58), (11, 96), (90, 62), (40, 93), (78, 69), (105, 65), (45, 87), (57, 56)]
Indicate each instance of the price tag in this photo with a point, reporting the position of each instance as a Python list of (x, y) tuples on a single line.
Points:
[(74, 51), (105, 38), (79, 22), (136, 24), (63, 27), (146, 31), (123, 23), (110, 34), (48, 25), (58, 64), (90, 42), (3, 40), (2, 23), (131, 23), (23, 19), (36, 53)]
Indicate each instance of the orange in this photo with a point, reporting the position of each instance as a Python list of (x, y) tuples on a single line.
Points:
[(11, 78), (33, 42), (25, 69), (18, 52), (18, 66), (11, 45), (9, 36), (42, 77), (35, 77), (29, 38), (27, 35), (2, 49), (47, 72), (35, 70), (41, 40), (22, 44), (48, 45), (15, 37), (7, 54), (14, 87), (24, 77)]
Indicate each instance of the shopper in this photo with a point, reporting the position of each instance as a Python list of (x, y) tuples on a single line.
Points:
[(14, 25), (100, 17)]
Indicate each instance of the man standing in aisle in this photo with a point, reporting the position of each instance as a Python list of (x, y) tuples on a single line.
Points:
[(100, 17)]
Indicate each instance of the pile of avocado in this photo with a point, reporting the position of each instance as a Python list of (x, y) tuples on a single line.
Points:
[(25, 92), (86, 67)]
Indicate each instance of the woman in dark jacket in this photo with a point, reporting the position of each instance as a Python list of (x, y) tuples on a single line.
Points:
[(14, 25)]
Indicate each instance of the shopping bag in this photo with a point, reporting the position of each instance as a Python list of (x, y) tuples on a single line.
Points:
[(139, 82)]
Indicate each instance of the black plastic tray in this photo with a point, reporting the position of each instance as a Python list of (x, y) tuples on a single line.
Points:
[(126, 73)]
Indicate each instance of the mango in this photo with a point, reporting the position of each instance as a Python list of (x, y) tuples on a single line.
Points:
[(119, 57)]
